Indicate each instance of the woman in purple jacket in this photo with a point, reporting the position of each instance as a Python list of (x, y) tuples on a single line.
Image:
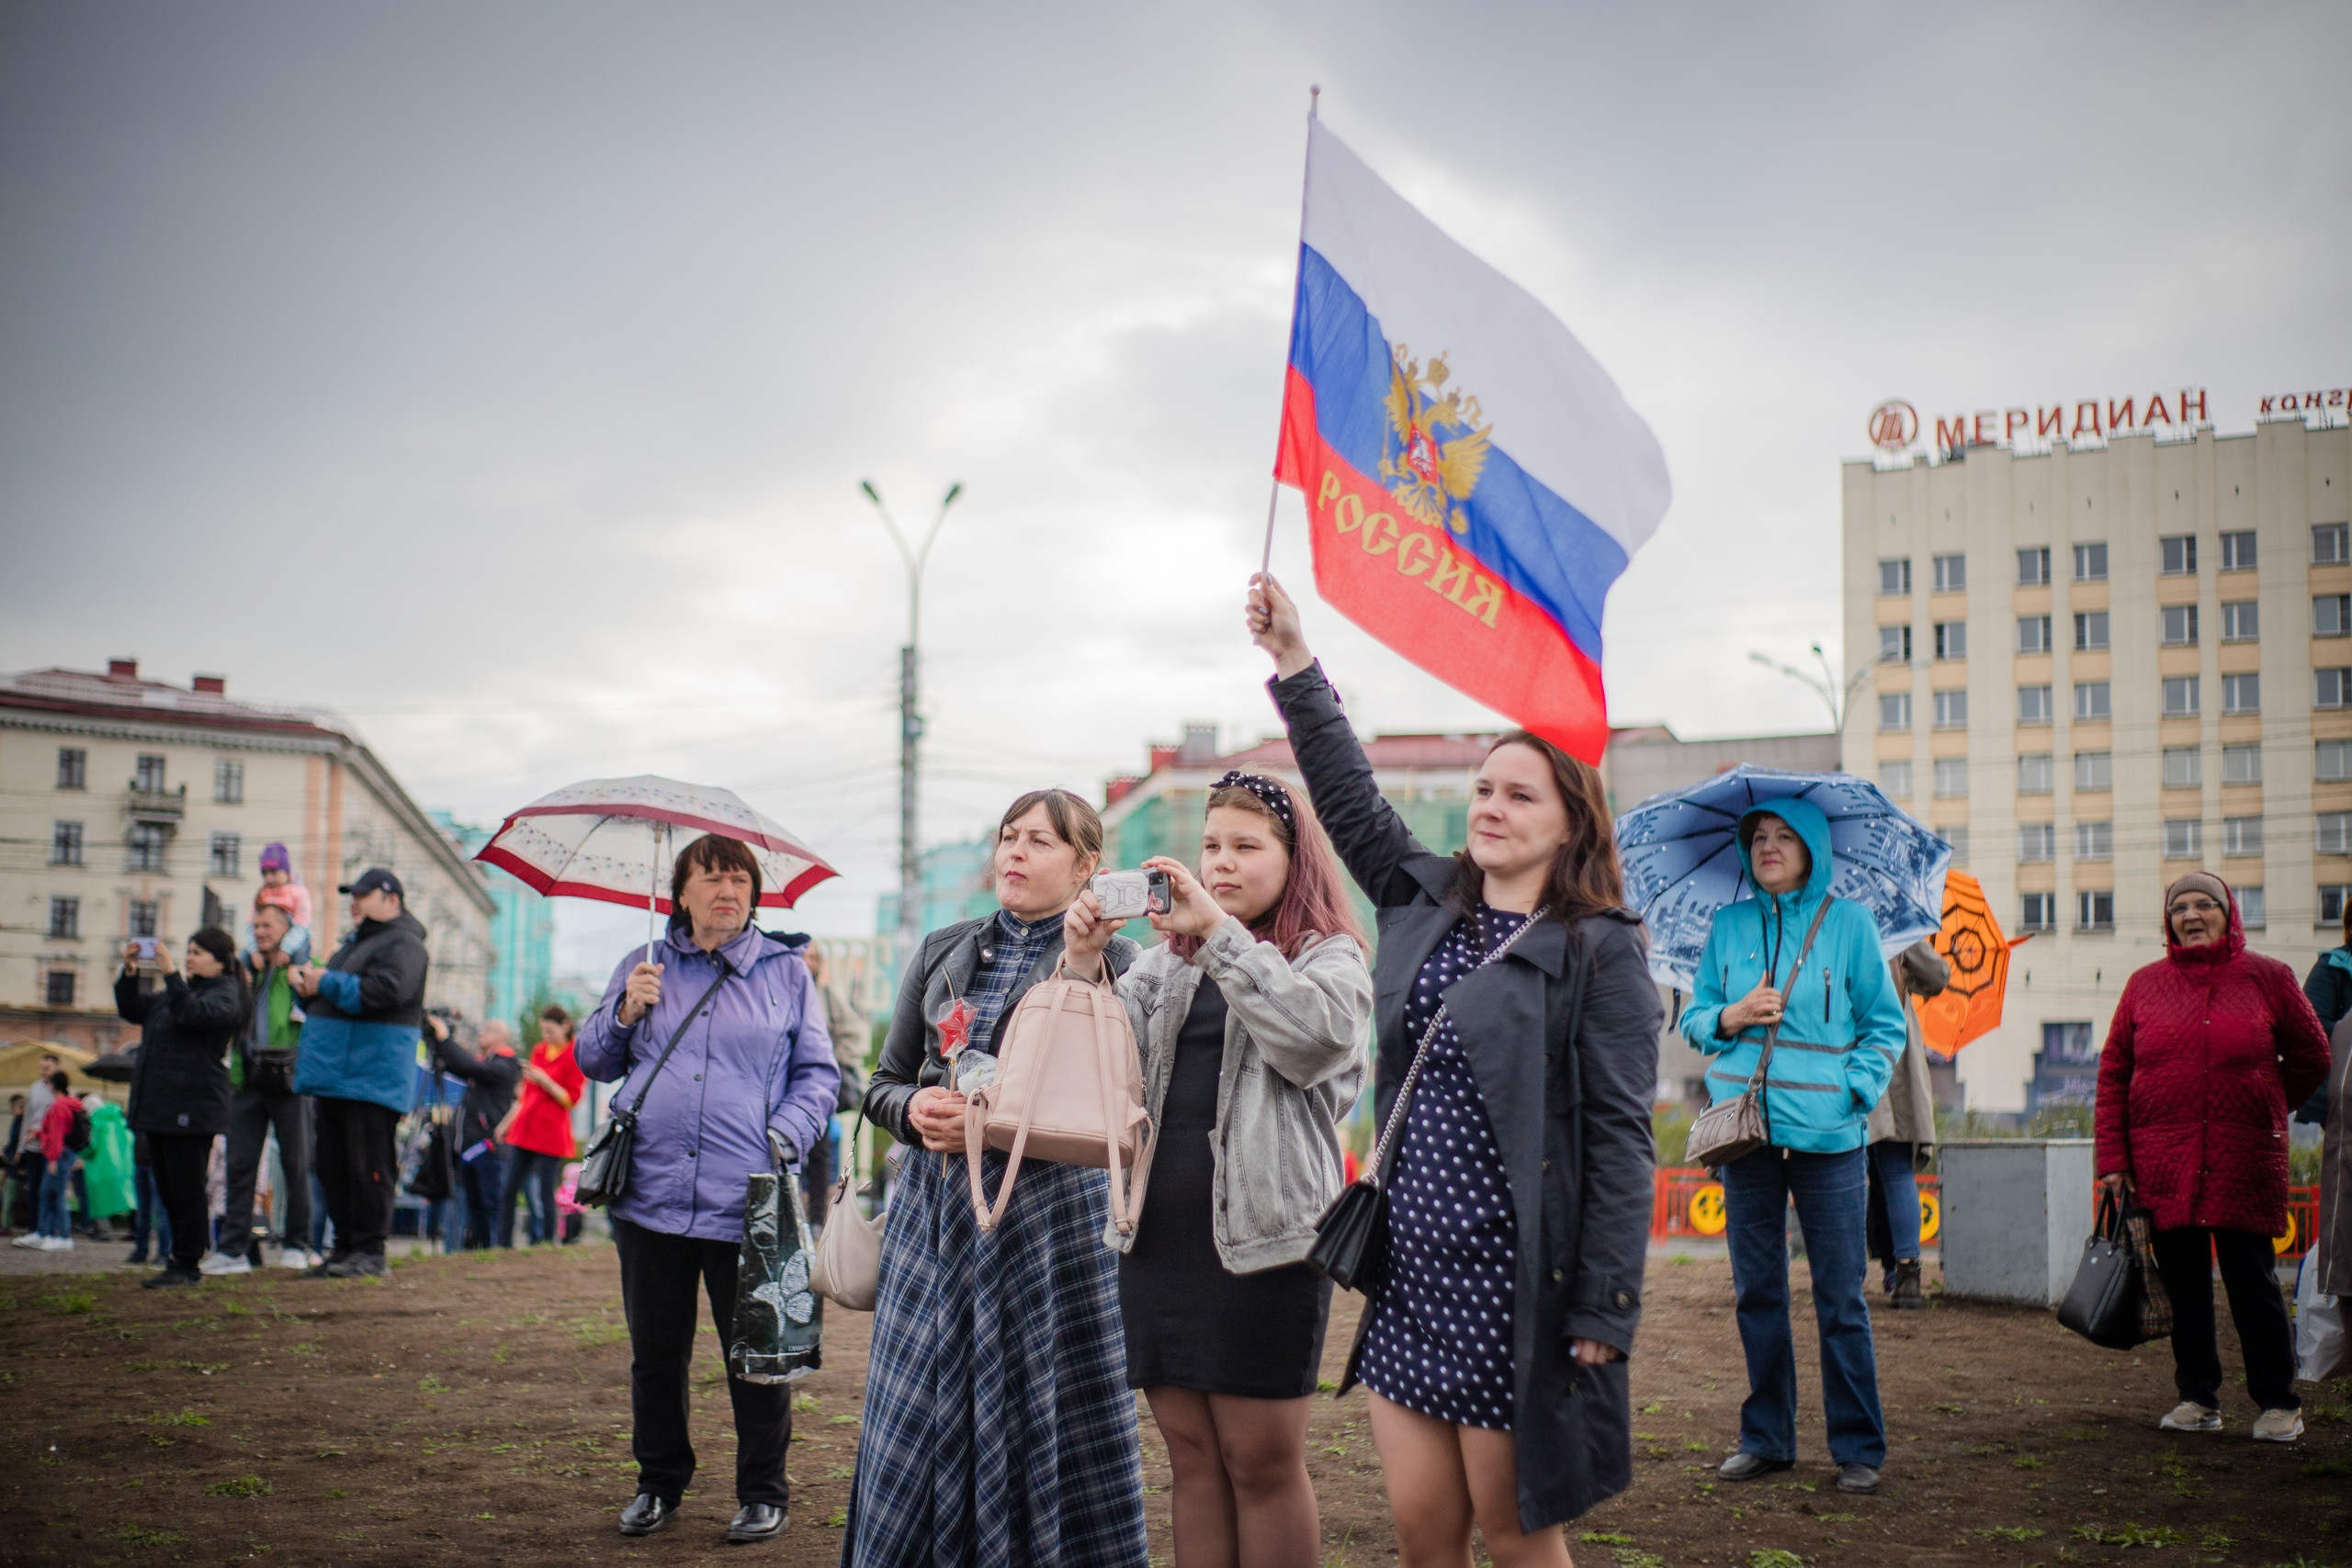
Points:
[(753, 1060)]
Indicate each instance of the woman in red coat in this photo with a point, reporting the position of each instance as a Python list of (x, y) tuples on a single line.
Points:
[(2210, 1048)]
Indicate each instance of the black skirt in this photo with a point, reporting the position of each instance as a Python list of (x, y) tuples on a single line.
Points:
[(1190, 1323)]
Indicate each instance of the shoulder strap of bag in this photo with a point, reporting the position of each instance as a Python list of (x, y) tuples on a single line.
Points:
[(1772, 1036), (680, 1033), (1380, 1151)]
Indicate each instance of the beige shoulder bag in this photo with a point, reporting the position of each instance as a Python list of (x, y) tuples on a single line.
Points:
[(846, 1268)]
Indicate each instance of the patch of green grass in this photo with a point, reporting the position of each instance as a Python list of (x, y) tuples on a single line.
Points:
[(2328, 1467), (841, 1421), (428, 1383), (73, 1301), (2128, 1535), (1774, 1557), (233, 1308), (140, 1535), (805, 1402), (837, 1519), (1325, 1385), (1639, 1559), (1602, 1537), (841, 1472), (184, 1418), (1680, 1259), (2079, 1435), (336, 1494), (2028, 1461), (500, 1354), (2010, 1532), (241, 1486)]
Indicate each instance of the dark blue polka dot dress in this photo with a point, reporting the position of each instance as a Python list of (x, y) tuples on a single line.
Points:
[(1441, 1332)]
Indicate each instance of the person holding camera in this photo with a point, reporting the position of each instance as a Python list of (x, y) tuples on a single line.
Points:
[(490, 1073), (998, 1423), (179, 1080), (262, 1101), (719, 1041), (1253, 1018)]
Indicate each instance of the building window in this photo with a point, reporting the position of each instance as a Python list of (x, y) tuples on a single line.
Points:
[(2095, 770), (149, 777), (2335, 833), (143, 916), (2035, 773), (2093, 840), (1894, 710), (2034, 634), (1952, 639), (65, 918), (1951, 777), (2242, 764), (2033, 705), (2090, 632), (2037, 911), (1895, 645), (1895, 778), (226, 849), (2252, 914), (146, 847), (2237, 552), (2033, 567), (2241, 621), (2095, 911), (2331, 688), (2090, 563), (2332, 614), (2037, 842), (2184, 767), (1894, 576), (2180, 625), (2091, 703), (2184, 838), (2180, 696), (2332, 760), (1956, 840), (2330, 902), (57, 992), (72, 768), (2332, 543), (2179, 555), (2241, 836), (2241, 694), (1952, 710), (229, 780), (1951, 574), (65, 844)]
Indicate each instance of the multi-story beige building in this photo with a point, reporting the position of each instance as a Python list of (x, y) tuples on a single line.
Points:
[(132, 808), (2099, 668)]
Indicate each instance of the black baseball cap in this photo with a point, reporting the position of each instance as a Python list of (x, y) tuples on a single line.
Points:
[(375, 879)]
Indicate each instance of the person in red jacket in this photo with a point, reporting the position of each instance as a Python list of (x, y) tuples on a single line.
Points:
[(2209, 1046), (537, 1132)]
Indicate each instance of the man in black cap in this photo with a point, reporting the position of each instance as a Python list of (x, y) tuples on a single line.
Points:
[(358, 1056)]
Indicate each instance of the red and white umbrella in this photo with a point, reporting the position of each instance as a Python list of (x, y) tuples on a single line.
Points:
[(616, 839)]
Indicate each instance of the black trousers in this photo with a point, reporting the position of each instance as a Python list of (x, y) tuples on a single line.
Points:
[(2249, 1272), (358, 1167), (251, 1117), (180, 1162), (660, 1274)]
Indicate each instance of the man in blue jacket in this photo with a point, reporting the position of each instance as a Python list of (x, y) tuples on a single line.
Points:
[(359, 1055)]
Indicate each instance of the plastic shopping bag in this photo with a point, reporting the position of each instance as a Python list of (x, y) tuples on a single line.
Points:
[(2321, 1349), (779, 1322)]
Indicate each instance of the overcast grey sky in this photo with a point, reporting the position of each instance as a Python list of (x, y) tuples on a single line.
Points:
[(501, 375)]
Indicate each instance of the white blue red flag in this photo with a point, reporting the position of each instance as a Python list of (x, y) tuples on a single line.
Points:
[(1475, 481)]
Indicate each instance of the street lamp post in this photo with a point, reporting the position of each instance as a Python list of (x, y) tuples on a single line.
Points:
[(910, 719), (1825, 685)]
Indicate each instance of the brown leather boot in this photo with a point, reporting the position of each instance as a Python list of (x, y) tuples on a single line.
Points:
[(1906, 1293)]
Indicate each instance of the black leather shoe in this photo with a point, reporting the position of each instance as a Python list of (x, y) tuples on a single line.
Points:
[(171, 1277), (1907, 1295), (359, 1265), (319, 1270), (1745, 1466), (1857, 1478), (756, 1521), (645, 1514)]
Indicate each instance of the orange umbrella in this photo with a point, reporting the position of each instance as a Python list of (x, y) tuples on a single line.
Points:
[(1972, 942)]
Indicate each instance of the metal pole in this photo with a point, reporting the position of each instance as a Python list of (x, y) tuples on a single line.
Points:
[(911, 716)]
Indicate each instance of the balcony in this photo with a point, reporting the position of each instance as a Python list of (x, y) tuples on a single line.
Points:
[(163, 806)]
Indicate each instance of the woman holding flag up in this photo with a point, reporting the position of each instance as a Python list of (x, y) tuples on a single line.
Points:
[(1495, 1342)]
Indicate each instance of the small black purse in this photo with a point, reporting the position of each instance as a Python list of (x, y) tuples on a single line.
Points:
[(603, 1169), (1351, 1238)]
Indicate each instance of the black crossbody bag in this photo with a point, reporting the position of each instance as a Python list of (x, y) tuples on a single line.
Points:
[(603, 1169)]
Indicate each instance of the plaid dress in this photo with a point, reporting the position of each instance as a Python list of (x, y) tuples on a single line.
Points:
[(999, 1431)]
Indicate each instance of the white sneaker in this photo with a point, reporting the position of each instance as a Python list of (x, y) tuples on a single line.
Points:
[(222, 1263), (2277, 1425), (31, 1239), (297, 1258), (2190, 1416), (57, 1244)]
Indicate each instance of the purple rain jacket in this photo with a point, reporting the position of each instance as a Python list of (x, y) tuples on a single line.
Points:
[(757, 1056)]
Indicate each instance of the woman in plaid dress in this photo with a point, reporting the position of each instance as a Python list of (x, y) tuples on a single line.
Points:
[(1000, 1431)]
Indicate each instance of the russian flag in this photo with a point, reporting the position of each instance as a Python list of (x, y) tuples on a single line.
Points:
[(1475, 481)]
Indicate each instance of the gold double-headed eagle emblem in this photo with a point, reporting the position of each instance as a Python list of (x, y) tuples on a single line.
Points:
[(1437, 445)]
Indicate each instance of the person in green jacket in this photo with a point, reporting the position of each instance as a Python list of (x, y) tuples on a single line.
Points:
[(262, 1101), (1795, 959)]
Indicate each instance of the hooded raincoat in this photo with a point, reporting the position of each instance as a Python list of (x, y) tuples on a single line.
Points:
[(1841, 1029)]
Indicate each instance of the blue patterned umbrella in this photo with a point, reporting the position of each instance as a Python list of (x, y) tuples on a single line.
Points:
[(1682, 864)]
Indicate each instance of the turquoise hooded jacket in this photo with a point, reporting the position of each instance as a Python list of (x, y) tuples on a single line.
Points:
[(1841, 1029)]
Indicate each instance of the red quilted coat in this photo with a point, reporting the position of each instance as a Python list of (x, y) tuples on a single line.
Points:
[(2210, 1048)]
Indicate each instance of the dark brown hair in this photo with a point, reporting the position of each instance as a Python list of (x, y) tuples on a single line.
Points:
[(1314, 902), (1077, 823), (554, 1011), (1585, 877), (714, 852)]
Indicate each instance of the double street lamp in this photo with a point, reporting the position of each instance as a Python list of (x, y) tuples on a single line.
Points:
[(910, 720)]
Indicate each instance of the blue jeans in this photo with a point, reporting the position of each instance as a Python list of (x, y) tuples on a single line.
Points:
[(149, 1221), (55, 1183), (1831, 1192), (1896, 1175), (536, 1175), (482, 1184)]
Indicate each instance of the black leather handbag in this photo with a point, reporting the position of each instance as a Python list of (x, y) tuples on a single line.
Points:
[(1351, 1238), (2103, 1303), (603, 1169)]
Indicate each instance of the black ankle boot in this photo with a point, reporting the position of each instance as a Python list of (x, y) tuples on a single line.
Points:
[(1906, 1292)]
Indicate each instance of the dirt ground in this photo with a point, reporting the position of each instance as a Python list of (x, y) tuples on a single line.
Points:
[(475, 1409)]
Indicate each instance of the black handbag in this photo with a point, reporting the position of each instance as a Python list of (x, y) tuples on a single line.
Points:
[(779, 1319), (1351, 1238), (436, 1176), (603, 1169), (2103, 1303)]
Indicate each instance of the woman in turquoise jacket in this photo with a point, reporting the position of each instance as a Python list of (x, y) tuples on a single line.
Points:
[(1792, 957)]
